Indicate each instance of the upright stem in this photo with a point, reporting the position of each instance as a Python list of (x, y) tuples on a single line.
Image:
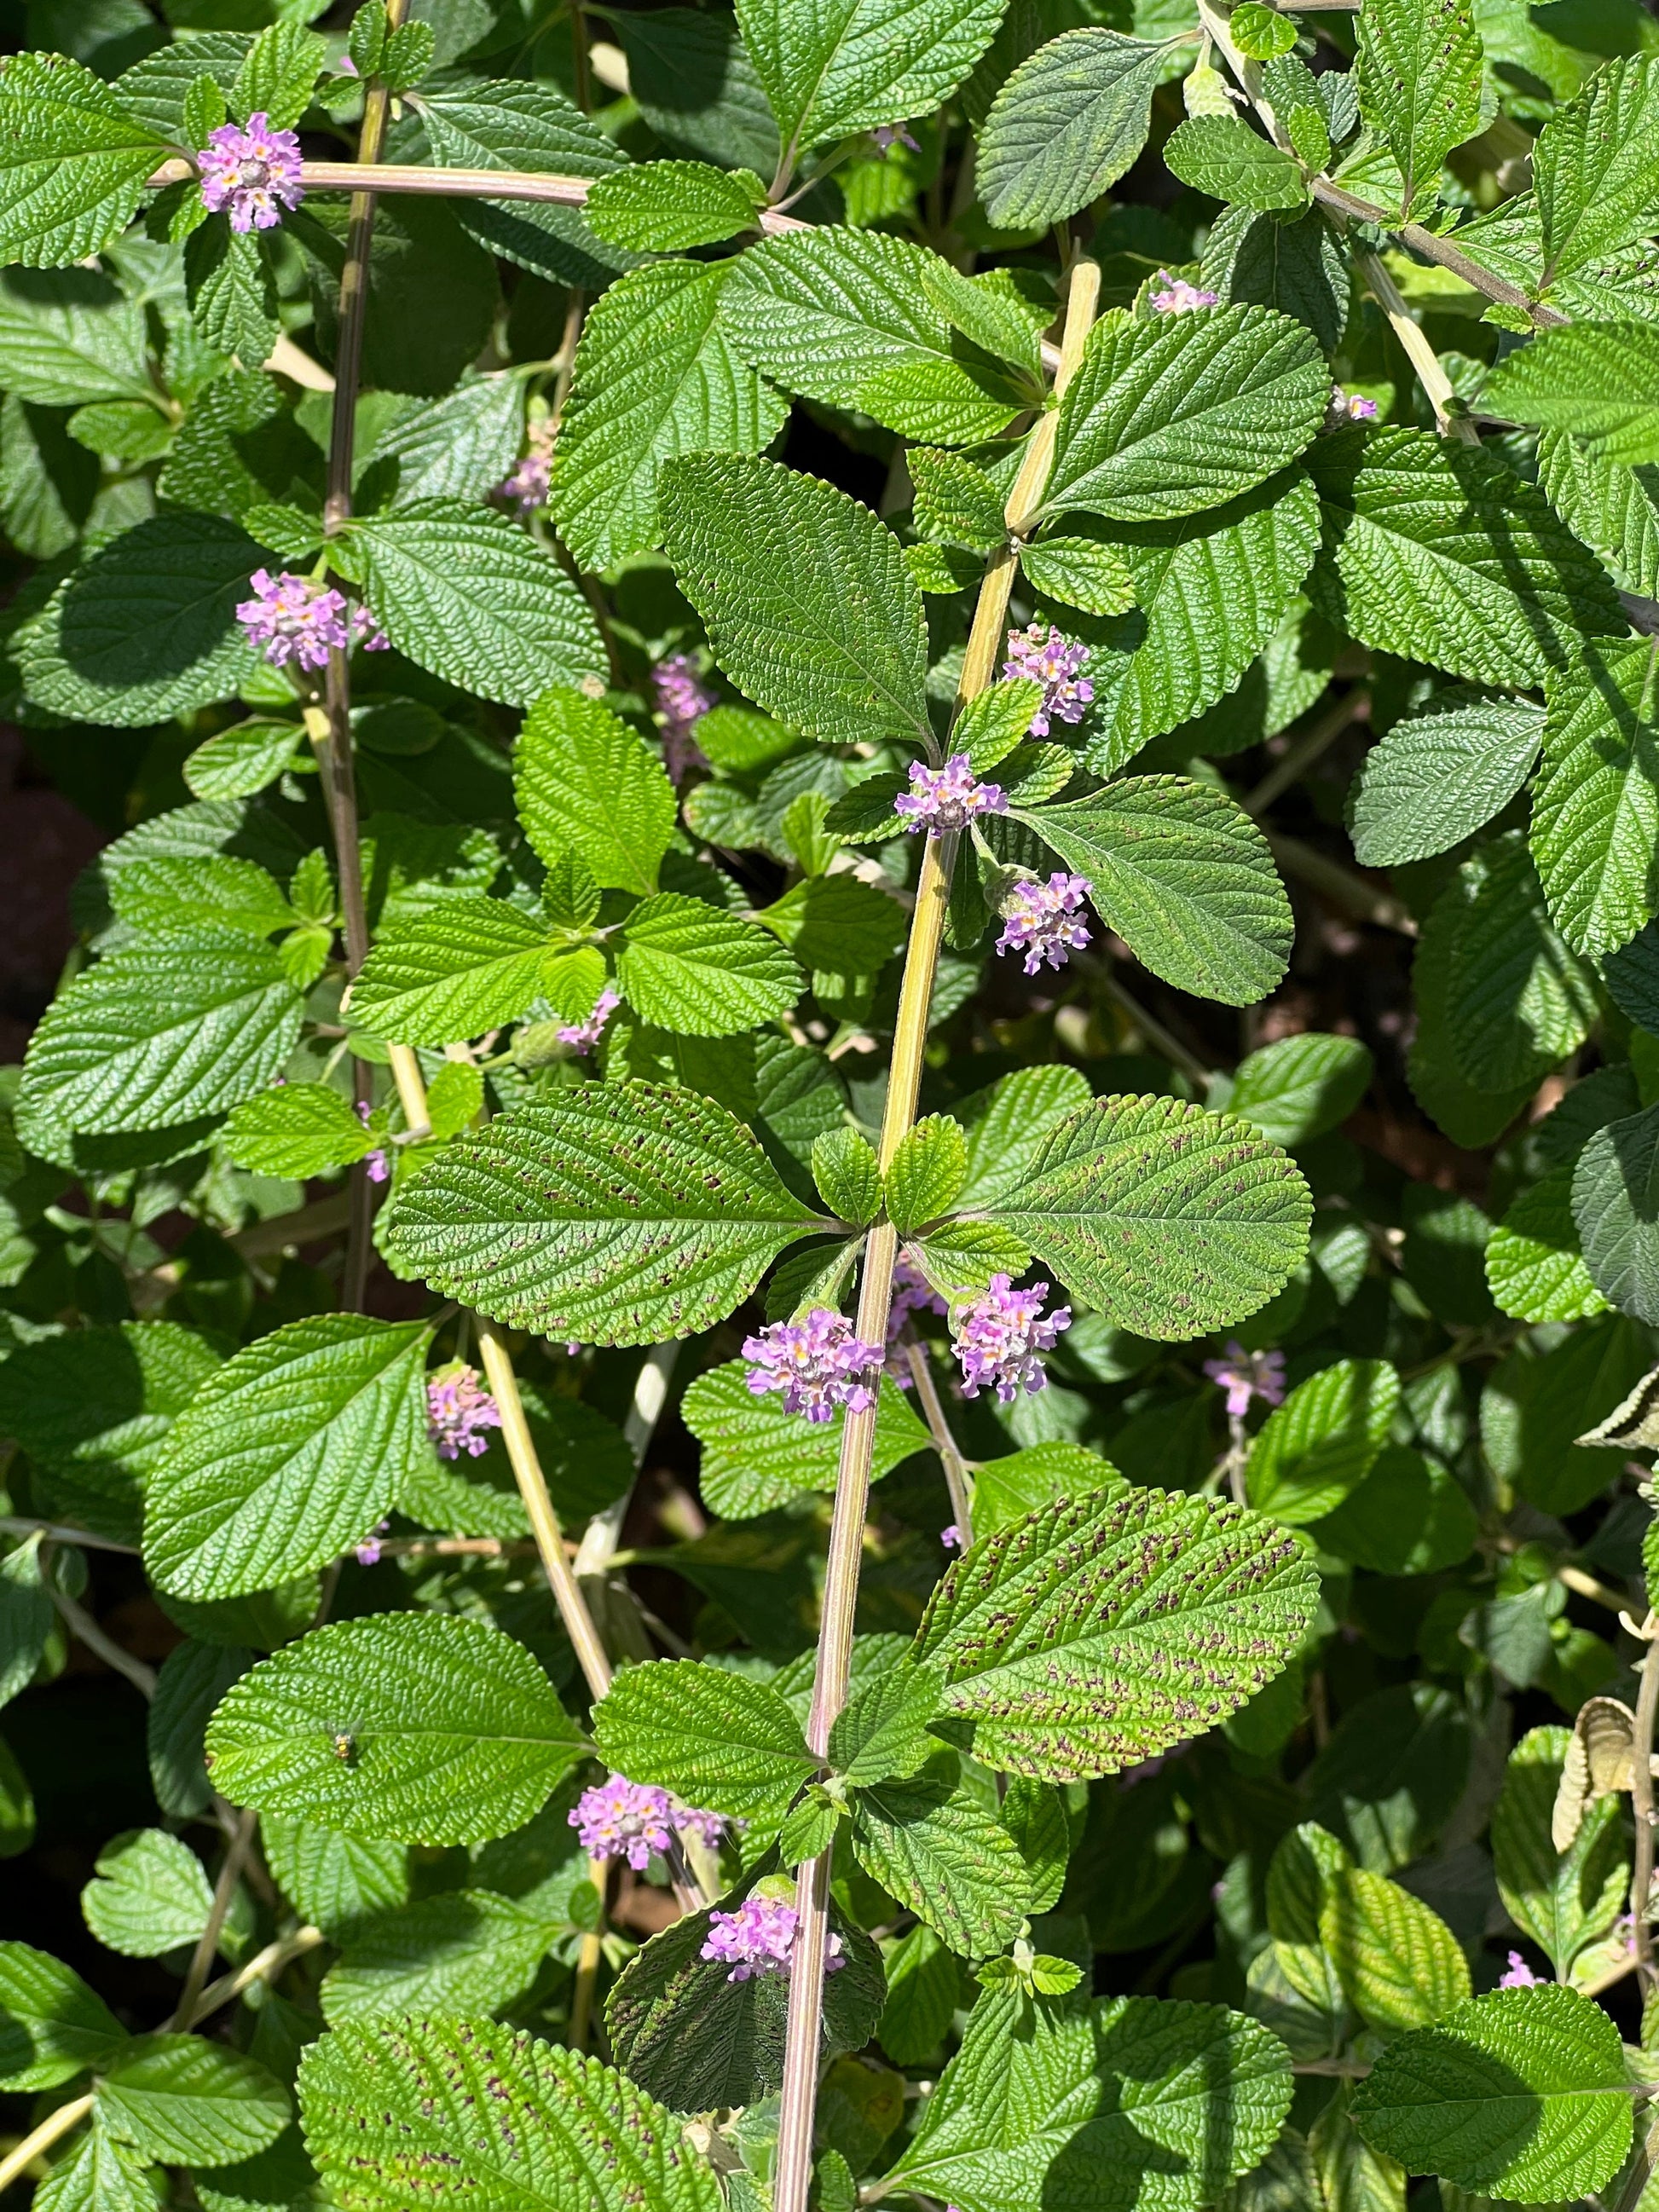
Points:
[(1641, 1789), (793, 2169), (19, 2159), (223, 1890), (581, 70), (1418, 350), (950, 1458)]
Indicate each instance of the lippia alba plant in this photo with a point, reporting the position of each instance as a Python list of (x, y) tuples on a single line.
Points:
[(828, 1285)]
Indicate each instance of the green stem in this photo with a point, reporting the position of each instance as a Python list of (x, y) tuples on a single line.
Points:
[(1641, 1776)]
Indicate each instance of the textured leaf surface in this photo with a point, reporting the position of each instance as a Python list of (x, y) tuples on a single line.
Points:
[(1127, 2103), (688, 968), (1564, 1900), (663, 207), (806, 597), (1410, 1516), (1185, 878), (841, 65), (1615, 1203), (587, 784), (1534, 1269), (1399, 1964), (1066, 125), (1439, 552), (467, 965), (756, 1457), (656, 375), (847, 317), (421, 1728), (1596, 382), (1611, 507), (1172, 1221), (395, 2108), (1469, 1116), (1595, 808), (617, 1214), (1180, 412), (1222, 156), (51, 2025), (1521, 2093), (1438, 776), (1519, 1001), (147, 628), (467, 594), (1210, 593), (712, 1737), (1321, 1443), (466, 1951), (73, 160), (1092, 1635), (1420, 85), (184, 2100), (161, 1033), (1300, 1086), (70, 338), (288, 1455), (149, 1894), (1594, 169), (944, 1858)]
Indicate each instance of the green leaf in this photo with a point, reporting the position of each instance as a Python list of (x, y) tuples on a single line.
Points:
[(1610, 506), (236, 762), (806, 597), (27, 1617), (1615, 1203), (692, 969), (338, 1881), (1168, 415), (51, 2025), (147, 628), (756, 1457), (656, 375), (1229, 161), (1409, 1516), (302, 1129), (955, 500), (1172, 1221), (73, 161), (394, 2106), (1261, 32), (1211, 594), (1567, 1901), (190, 1683), (288, 1456), (466, 1951), (1321, 1442), (924, 1990), (941, 1855), (161, 1033), (99, 2175), (663, 207), (847, 317), (1300, 1087), (837, 924), (1596, 806), (1418, 69), (881, 1734), (469, 595), (1439, 776), (189, 2102), (1436, 550), (1184, 877), (1399, 1964), (466, 964), (1595, 380), (232, 292), (847, 1175), (282, 64), (149, 1894), (1007, 1490), (1519, 1002), (1082, 573), (853, 64), (1129, 2101), (1533, 1266), (1058, 1639), (176, 897), (71, 337), (1469, 1116), (482, 122), (1593, 167), (926, 1173), (1520, 2094), (421, 1728), (616, 1214), (586, 783), (710, 1736), (1066, 125), (696, 87)]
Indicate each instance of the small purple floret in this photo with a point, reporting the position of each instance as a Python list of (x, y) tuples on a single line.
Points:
[(817, 1364), (1045, 921), (1520, 1975), (759, 1938), (255, 172), (948, 798), (1175, 296), (999, 1336), (886, 135), (1245, 1375), (622, 1820), (459, 1411), (1054, 661), (583, 1036), (682, 700), (529, 483)]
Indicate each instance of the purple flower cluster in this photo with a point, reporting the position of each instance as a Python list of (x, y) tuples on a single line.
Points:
[(681, 701), (947, 798), (1045, 921), (622, 1820), (459, 1410), (759, 1938), (368, 1552), (250, 170), (950, 1537), (1055, 661), (529, 483), (1348, 407), (297, 618), (1520, 1975), (586, 1034), (817, 1364), (1175, 295), (1245, 1375), (999, 1335)]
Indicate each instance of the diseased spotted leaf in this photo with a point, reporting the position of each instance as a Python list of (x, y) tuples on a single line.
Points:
[(1059, 1638), (616, 1214), (1418, 71)]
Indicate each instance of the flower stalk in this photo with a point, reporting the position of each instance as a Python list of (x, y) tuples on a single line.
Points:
[(986, 643)]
